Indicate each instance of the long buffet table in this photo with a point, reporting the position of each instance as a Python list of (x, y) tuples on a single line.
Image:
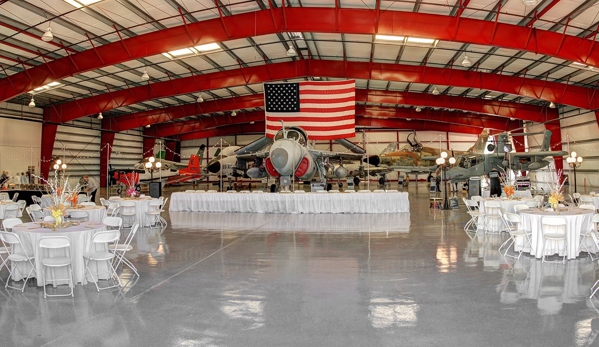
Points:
[(383, 202)]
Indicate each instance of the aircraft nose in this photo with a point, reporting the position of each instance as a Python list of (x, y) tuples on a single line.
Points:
[(214, 167), (279, 158)]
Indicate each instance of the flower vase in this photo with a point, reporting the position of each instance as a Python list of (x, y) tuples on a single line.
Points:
[(554, 207), (57, 221)]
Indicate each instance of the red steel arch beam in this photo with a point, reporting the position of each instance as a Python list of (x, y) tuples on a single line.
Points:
[(166, 114), (258, 127), (306, 19), (448, 117), (538, 89), (500, 108)]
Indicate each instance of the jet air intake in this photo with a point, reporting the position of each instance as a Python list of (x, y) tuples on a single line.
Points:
[(214, 167), (373, 160)]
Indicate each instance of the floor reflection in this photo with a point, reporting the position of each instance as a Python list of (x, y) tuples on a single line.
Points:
[(202, 221)]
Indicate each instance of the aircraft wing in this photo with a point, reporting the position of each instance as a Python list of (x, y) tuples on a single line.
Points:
[(252, 156), (539, 154), (335, 155), (415, 169)]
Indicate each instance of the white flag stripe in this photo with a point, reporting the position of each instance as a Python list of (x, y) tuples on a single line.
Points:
[(315, 115), (304, 95), (327, 124), (325, 87), (306, 105)]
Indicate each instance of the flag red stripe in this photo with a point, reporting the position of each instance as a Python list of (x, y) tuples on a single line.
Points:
[(331, 100), (324, 109), (325, 91), (327, 83), (300, 118), (321, 128)]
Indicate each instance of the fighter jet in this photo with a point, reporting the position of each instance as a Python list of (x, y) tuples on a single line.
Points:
[(291, 155), (417, 158), (226, 162), (470, 165)]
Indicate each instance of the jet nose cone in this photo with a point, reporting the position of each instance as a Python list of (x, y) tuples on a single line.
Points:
[(214, 167), (279, 158)]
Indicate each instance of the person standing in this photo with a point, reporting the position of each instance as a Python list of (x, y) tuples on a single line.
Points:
[(89, 187)]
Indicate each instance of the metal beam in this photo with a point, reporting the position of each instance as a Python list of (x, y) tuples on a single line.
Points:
[(537, 89), (308, 19)]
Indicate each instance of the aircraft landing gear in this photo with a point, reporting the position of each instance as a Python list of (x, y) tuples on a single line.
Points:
[(356, 180)]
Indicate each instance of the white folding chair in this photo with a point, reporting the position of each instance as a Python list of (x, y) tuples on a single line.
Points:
[(513, 222), (190, 191), (493, 216), (35, 213), (591, 233), (532, 203), (11, 211), (520, 207), (15, 197), (22, 204), (474, 213), (113, 209), (587, 206), (585, 200), (101, 242), (49, 219), (7, 224), (104, 202), (162, 207), (540, 200), (200, 191), (119, 249), (128, 212), (4, 196), (88, 203), (113, 223), (153, 213), (79, 216), (554, 229), (48, 249), (37, 200), (16, 257), (82, 198)]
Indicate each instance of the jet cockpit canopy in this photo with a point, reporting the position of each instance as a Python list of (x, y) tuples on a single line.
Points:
[(294, 133)]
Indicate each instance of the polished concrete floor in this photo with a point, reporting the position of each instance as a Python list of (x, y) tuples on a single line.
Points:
[(415, 279)]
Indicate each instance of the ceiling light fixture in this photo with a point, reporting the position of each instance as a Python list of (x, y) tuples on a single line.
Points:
[(145, 76), (200, 99), (530, 2), (147, 126), (100, 116), (291, 52), (435, 90), (408, 119), (47, 36), (233, 114), (466, 62), (32, 102), (418, 109), (551, 105)]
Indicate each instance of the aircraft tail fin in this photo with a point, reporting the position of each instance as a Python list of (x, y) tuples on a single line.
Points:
[(481, 142), (193, 168), (200, 152)]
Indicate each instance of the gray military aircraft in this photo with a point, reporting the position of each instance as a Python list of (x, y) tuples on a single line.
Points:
[(470, 165)]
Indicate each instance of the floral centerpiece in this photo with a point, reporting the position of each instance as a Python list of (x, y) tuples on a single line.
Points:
[(557, 192), (61, 193), (508, 183), (132, 179)]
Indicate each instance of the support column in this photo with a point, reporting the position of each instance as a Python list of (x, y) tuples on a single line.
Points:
[(556, 140), (106, 144), (48, 138)]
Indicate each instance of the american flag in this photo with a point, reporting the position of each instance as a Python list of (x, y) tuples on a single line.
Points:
[(325, 110)]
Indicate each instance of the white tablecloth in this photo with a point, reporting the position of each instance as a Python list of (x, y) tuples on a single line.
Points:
[(286, 222), (141, 207), (577, 221), (81, 241), (517, 193), (291, 202), (96, 213)]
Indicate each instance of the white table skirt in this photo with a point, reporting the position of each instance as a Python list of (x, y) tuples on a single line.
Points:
[(291, 202), (81, 241), (286, 222), (141, 207), (96, 213), (577, 221)]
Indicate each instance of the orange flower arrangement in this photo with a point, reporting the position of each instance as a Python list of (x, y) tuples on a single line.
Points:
[(508, 190)]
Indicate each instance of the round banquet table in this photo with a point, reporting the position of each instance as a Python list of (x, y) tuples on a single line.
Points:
[(577, 221), (142, 205), (96, 213), (81, 242), (595, 199)]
